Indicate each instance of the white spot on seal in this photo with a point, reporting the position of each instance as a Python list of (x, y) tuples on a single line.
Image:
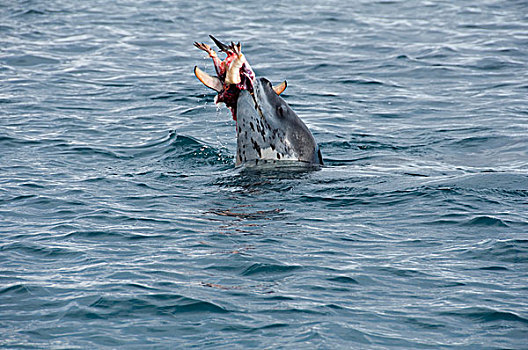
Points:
[(268, 153)]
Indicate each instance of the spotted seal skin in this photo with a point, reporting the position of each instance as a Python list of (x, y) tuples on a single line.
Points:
[(269, 130)]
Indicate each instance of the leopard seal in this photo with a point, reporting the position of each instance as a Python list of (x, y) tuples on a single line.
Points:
[(267, 128)]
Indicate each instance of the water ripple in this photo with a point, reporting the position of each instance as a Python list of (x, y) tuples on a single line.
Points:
[(125, 223)]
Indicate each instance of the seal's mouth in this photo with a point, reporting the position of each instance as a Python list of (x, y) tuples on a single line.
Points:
[(234, 74)]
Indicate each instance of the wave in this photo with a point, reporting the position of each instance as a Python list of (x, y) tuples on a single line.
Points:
[(38, 251), (153, 304), (269, 269), (485, 221), (189, 149), (487, 314), (507, 251)]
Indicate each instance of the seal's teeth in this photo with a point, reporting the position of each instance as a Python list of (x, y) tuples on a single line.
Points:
[(209, 81)]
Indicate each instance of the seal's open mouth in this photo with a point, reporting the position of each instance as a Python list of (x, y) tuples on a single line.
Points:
[(234, 74)]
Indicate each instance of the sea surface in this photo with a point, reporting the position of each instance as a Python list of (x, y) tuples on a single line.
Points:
[(124, 222)]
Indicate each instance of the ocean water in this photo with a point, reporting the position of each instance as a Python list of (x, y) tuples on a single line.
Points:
[(125, 224)]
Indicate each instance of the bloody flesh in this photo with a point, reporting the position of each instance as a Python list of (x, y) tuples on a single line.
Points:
[(234, 72)]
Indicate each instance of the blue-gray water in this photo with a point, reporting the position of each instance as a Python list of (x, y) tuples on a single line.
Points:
[(124, 223)]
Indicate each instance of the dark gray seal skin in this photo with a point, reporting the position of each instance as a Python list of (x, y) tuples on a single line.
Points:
[(269, 131)]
